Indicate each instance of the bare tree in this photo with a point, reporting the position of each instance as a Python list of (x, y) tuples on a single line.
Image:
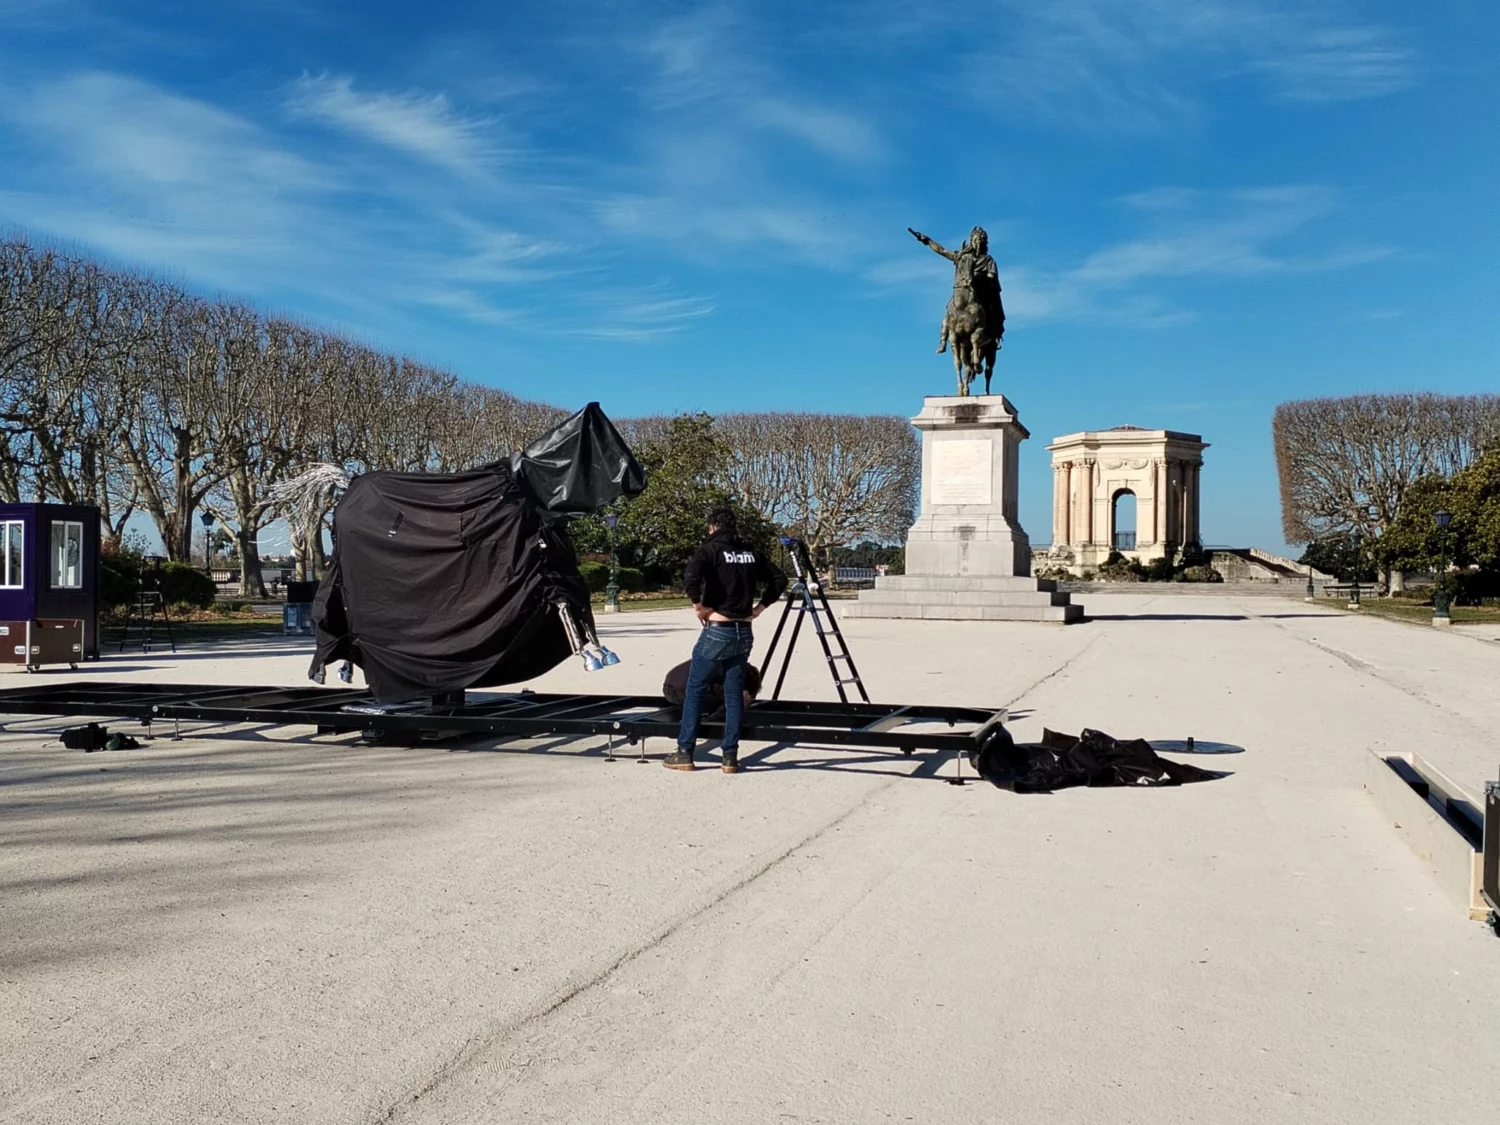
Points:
[(1346, 464)]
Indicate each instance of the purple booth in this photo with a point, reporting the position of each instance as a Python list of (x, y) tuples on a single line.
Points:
[(49, 584)]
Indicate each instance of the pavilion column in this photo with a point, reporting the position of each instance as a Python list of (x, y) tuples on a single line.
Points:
[(1192, 504), (1156, 500), (1067, 502), (1185, 472), (1059, 531), (1174, 501), (1088, 500)]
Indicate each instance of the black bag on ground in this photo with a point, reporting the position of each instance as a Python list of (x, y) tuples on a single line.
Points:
[(87, 738), (1060, 761)]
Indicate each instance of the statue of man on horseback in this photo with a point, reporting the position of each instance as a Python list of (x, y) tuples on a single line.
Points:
[(975, 319)]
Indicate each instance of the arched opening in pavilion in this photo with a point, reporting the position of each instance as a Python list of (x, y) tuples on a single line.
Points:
[(1122, 520)]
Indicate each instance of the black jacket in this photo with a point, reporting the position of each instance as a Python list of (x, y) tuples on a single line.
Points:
[(674, 687), (725, 572)]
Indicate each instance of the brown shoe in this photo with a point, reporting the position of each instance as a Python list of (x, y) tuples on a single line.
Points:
[(731, 762), (679, 760)]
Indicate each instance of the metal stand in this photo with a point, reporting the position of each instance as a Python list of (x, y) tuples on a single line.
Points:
[(800, 599), (146, 611)]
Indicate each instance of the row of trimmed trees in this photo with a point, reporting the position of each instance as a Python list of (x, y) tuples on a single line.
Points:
[(1380, 466), (123, 391), (828, 479)]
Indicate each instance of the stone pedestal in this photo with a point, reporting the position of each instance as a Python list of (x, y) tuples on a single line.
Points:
[(967, 557)]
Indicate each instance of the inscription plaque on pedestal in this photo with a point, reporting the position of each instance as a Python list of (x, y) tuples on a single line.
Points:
[(962, 471)]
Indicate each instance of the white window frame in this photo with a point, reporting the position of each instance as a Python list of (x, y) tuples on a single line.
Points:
[(5, 560), (72, 531)]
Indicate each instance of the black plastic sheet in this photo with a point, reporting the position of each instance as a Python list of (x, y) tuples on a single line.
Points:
[(1093, 758), (444, 581), (578, 467)]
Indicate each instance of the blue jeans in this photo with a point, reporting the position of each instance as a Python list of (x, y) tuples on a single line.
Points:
[(721, 652)]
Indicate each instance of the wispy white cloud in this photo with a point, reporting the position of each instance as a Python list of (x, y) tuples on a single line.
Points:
[(1135, 65), (834, 132), (1339, 64), (1179, 233), (147, 176), (709, 64), (420, 125)]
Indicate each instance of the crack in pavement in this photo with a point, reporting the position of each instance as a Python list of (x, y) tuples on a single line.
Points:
[(1058, 671), (479, 1044), (1374, 672)]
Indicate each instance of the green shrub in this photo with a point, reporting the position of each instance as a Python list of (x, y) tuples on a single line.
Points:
[(596, 577), (119, 581), (182, 584), (1472, 587), (1159, 570), (1117, 568), (1200, 574), (595, 574)]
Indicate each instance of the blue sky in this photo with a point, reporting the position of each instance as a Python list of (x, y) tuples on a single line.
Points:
[(1199, 208)]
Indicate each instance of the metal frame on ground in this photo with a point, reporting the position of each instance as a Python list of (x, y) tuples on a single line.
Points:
[(631, 718)]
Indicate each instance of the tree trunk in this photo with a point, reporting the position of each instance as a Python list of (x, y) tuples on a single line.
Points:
[(248, 515), (1398, 581), (251, 583), (182, 478)]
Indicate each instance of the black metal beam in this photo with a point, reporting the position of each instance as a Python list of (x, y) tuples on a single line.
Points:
[(522, 714)]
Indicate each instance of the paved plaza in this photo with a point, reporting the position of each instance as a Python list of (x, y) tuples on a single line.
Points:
[(241, 927)]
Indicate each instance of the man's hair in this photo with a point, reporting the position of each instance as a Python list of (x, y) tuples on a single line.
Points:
[(724, 519)]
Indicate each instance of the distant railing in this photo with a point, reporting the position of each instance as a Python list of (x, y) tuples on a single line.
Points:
[(1124, 540), (860, 577)]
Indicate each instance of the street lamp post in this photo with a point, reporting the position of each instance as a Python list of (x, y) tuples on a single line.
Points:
[(1312, 593), (612, 590), (1440, 587), (208, 543), (1354, 584)]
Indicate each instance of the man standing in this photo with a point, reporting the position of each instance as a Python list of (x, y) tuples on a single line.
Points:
[(722, 579)]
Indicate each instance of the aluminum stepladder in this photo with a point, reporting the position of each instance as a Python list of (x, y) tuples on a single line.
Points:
[(147, 611), (806, 598)]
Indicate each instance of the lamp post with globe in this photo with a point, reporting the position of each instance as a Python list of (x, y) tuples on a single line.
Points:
[(208, 543), (1355, 565), (612, 589), (1440, 587)]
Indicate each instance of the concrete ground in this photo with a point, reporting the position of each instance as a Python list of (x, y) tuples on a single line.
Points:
[(242, 928)]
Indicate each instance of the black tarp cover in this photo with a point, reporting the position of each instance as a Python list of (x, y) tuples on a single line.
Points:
[(1093, 758), (446, 581), (578, 467)]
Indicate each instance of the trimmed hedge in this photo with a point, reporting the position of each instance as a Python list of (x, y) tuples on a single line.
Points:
[(182, 584), (596, 575), (119, 581)]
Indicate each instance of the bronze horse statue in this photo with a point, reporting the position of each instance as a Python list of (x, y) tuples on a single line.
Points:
[(975, 319)]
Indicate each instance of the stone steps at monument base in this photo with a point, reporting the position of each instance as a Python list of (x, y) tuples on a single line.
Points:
[(882, 595), (1062, 614), (996, 583)]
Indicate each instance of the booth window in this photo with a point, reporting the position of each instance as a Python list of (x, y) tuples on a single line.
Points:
[(12, 541), (67, 555)]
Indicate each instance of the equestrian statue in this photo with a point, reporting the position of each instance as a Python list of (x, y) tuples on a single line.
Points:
[(975, 320)]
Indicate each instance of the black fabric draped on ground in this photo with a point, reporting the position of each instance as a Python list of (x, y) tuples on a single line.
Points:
[(443, 581), (1093, 758)]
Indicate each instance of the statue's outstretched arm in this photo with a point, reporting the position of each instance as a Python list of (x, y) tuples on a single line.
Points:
[(951, 255)]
